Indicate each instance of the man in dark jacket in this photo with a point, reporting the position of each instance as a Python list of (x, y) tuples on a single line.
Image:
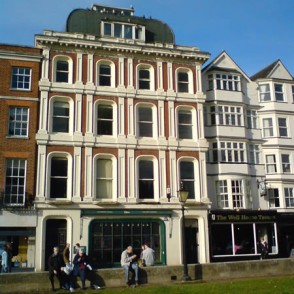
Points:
[(55, 263)]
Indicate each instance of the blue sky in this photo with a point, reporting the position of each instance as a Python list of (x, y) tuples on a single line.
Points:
[(253, 32)]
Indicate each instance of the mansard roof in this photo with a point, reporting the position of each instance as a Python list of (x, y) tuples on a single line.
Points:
[(88, 21)]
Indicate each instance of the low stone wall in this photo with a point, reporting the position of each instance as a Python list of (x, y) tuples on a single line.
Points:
[(39, 282)]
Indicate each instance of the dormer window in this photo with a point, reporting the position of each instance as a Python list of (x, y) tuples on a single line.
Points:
[(123, 31)]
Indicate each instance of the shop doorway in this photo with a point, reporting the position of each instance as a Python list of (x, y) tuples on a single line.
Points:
[(56, 233), (191, 233)]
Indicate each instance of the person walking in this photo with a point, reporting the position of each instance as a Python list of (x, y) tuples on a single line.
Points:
[(128, 263), (55, 263)]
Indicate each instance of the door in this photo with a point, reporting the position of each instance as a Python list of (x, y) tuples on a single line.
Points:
[(55, 236), (191, 244)]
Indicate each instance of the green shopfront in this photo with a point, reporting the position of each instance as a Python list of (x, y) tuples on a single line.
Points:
[(111, 231), (236, 235)]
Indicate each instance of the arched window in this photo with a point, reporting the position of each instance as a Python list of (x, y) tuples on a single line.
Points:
[(61, 114), (146, 179), (62, 69), (60, 117), (185, 123), (145, 77), (146, 120), (104, 178), (184, 80), (105, 73), (105, 175), (187, 177), (59, 175)]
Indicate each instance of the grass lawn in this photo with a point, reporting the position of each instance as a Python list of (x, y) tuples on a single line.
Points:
[(284, 285)]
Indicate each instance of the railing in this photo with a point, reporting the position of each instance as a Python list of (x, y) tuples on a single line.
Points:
[(26, 205)]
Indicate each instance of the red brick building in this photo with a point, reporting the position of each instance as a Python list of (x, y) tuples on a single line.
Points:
[(19, 111), (120, 128)]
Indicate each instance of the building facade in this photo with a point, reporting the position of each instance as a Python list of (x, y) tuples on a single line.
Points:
[(120, 128), (275, 91), (19, 106), (248, 124)]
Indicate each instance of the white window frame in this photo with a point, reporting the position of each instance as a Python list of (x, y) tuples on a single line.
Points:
[(272, 198), (225, 115), (270, 164), (154, 119), (193, 124), (134, 28), (150, 68), (190, 79), (71, 113), (194, 162), (114, 116), (261, 93), (290, 197), (69, 175), (21, 122), (112, 72), (70, 68), (283, 127), (279, 92), (269, 128), (21, 76), (284, 163), (155, 174), (230, 194), (114, 176), (232, 150), (254, 154), (24, 186), (225, 83), (252, 122)]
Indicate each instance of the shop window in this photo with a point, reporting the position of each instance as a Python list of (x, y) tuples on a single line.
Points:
[(104, 179), (105, 119), (18, 125), (239, 239), (21, 78), (58, 177), (187, 177), (108, 239), (221, 236), (15, 180), (244, 239)]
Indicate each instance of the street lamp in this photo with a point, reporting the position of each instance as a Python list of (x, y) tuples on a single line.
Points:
[(183, 196)]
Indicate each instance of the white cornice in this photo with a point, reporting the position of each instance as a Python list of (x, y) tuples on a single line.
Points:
[(19, 98), (19, 56)]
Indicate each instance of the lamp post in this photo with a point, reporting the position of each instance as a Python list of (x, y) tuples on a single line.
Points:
[(183, 196)]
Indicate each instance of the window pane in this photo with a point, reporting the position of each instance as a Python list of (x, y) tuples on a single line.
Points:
[(128, 32), (105, 120), (62, 71), (21, 78), (146, 179), (107, 29), (244, 239), (145, 118), (104, 75), (118, 30), (58, 177), (59, 167), (185, 126), (221, 236), (60, 117), (187, 177), (104, 168), (144, 79)]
